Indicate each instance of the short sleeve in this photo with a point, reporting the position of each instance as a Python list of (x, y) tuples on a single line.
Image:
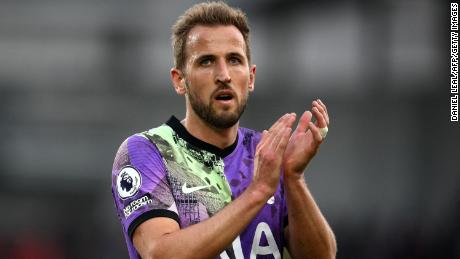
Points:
[(140, 186)]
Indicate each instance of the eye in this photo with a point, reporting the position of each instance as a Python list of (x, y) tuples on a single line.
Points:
[(234, 60), (205, 62)]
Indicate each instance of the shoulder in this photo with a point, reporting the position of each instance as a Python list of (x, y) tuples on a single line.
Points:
[(134, 144), (136, 149), (143, 141)]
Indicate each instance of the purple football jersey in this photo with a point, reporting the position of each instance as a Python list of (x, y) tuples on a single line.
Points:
[(167, 172)]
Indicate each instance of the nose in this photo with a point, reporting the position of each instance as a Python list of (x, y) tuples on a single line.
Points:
[(222, 73)]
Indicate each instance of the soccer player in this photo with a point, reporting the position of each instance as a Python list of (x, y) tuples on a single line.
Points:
[(204, 187)]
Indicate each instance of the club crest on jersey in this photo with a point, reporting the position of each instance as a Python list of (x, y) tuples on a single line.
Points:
[(128, 182)]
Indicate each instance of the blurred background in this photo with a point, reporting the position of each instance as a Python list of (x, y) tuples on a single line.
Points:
[(78, 77)]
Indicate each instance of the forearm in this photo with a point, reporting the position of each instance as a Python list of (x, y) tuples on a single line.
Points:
[(209, 238), (308, 232)]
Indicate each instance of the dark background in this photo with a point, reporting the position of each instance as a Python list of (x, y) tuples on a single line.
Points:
[(77, 77)]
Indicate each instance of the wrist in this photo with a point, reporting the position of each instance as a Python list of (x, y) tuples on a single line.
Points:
[(293, 176), (259, 192)]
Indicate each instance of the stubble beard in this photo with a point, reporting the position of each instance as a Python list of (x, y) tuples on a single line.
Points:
[(210, 115)]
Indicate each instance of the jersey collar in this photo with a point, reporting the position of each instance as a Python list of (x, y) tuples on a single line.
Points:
[(177, 126)]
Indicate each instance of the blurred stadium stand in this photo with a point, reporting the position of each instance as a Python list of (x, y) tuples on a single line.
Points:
[(77, 77)]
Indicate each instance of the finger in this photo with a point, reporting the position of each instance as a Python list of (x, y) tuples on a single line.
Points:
[(322, 104), (263, 140), (284, 140), (278, 123), (322, 110), (290, 121), (320, 121), (277, 135), (270, 133), (285, 121), (272, 138), (315, 132), (302, 126), (268, 137), (287, 125), (276, 139)]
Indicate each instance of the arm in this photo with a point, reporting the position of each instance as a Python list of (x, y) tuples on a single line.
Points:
[(162, 237), (308, 233)]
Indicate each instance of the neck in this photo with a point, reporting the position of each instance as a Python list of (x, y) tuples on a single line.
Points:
[(220, 138)]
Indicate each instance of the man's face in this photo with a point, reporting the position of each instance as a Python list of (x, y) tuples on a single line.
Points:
[(217, 74)]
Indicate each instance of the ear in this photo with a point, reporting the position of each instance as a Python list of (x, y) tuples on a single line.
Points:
[(252, 77), (178, 80)]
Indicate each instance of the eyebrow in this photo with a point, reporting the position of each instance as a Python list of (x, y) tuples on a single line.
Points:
[(235, 54), (211, 56), (205, 56)]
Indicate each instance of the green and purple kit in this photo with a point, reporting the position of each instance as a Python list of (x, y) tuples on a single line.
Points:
[(166, 172)]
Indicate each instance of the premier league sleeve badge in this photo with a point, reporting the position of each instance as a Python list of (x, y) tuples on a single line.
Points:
[(128, 182)]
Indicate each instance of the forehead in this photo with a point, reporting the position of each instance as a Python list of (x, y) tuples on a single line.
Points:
[(214, 40)]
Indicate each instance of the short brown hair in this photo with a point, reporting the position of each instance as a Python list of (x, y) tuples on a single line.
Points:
[(211, 13)]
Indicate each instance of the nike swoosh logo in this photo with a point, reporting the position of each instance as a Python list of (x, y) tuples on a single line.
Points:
[(187, 190)]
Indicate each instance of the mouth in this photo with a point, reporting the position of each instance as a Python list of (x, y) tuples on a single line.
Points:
[(224, 96)]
